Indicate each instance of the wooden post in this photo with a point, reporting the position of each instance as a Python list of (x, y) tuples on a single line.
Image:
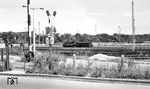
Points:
[(7, 58), (2, 54), (2, 58), (22, 54)]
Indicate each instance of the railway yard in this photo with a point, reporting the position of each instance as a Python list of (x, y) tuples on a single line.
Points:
[(75, 44), (141, 51)]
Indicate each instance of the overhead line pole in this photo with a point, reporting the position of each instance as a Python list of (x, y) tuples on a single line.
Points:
[(133, 26), (34, 30), (29, 23), (39, 31), (119, 33), (95, 29)]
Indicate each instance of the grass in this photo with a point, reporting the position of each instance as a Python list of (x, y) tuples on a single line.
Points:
[(15, 50), (52, 63), (1, 68)]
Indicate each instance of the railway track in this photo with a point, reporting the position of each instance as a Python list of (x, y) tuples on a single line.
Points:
[(139, 53)]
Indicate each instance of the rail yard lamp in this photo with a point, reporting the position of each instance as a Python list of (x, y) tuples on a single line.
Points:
[(33, 9), (34, 30)]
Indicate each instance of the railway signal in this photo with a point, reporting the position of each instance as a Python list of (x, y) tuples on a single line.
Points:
[(54, 13), (50, 35), (50, 31), (49, 15)]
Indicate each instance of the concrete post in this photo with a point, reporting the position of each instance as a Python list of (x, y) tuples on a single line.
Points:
[(74, 60), (121, 63)]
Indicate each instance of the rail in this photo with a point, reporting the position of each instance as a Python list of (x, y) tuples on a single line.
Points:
[(139, 53)]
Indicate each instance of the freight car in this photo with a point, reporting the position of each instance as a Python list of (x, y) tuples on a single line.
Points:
[(77, 44)]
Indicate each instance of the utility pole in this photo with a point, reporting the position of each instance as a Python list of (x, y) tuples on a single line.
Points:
[(25, 32), (39, 31), (119, 32), (34, 30), (95, 29), (29, 23), (43, 37), (133, 26)]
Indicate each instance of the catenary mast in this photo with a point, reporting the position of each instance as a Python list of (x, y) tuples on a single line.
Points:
[(133, 26)]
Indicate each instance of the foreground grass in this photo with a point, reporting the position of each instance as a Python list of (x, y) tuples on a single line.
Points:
[(52, 63)]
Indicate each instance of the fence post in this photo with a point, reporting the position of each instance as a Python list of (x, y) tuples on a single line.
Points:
[(22, 54), (121, 63), (2, 58), (7, 58), (2, 54), (74, 60)]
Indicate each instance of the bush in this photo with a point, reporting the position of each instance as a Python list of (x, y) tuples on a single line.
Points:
[(52, 63), (1, 68), (69, 71), (147, 74), (81, 70), (15, 50), (47, 62), (96, 72)]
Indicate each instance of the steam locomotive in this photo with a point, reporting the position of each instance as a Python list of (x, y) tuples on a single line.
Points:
[(77, 44)]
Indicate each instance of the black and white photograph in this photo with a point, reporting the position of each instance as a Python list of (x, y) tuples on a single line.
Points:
[(74, 44)]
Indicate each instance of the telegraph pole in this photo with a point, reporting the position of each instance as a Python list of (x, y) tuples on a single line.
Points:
[(133, 26), (95, 29), (29, 23), (34, 30), (39, 31), (43, 37), (119, 32)]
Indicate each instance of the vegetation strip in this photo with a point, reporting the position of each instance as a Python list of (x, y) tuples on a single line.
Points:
[(88, 79)]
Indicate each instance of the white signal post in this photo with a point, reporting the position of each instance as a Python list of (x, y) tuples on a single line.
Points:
[(29, 23), (34, 30)]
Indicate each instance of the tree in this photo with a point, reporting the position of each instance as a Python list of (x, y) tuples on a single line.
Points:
[(86, 38), (57, 37), (66, 37), (116, 38), (78, 37), (21, 37), (8, 38)]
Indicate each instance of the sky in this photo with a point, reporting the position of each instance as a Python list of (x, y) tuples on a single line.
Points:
[(82, 16)]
